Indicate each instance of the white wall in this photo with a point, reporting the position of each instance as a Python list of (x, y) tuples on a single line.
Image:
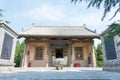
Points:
[(1, 39), (3, 30)]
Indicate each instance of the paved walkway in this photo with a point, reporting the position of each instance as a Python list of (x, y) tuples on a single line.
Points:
[(65, 74)]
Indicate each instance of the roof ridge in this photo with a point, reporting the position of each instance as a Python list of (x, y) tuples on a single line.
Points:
[(55, 26), (58, 26), (28, 28), (58, 31), (90, 30)]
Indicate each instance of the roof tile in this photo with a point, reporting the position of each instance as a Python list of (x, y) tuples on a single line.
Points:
[(58, 31)]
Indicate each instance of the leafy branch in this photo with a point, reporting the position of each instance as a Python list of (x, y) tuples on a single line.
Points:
[(107, 4), (1, 15), (114, 30)]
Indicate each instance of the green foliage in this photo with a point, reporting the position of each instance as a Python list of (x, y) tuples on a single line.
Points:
[(99, 63), (1, 12), (108, 5), (99, 55), (1, 15), (114, 30), (18, 53)]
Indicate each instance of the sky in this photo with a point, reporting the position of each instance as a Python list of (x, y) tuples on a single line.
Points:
[(23, 13)]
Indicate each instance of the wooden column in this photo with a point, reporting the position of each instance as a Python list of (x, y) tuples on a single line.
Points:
[(70, 48), (25, 59), (47, 53), (93, 56)]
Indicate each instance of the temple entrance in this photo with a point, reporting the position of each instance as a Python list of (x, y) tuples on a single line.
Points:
[(59, 53)]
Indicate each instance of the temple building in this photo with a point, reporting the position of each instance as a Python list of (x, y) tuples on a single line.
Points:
[(43, 44)]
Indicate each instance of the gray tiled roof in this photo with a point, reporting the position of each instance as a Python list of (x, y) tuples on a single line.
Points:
[(58, 31)]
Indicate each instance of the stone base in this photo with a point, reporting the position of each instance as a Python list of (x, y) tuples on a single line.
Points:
[(6, 66), (90, 65), (6, 69), (113, 68), (71, 65)]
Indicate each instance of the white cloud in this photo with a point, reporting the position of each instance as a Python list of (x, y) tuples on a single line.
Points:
[(92, 21), (87, 18), (47, 12), (61, 15), (68, 16)]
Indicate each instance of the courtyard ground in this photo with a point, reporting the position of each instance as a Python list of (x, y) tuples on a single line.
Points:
[(65, 74)]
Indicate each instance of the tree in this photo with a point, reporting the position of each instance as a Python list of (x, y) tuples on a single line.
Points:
[(1, 12), (18, 53), (108, 5), (99, 55), (1, 15), (114, 30)]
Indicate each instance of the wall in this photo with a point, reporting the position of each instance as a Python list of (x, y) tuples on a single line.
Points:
[(114, 64), (1, 39), (30, 59), (4, 63), (86, 52)]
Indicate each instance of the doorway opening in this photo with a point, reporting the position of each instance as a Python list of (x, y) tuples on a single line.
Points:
[(59, 53)]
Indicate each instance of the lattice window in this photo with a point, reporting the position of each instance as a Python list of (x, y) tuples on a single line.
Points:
[(78, 53), (39, 53), (7, 47)]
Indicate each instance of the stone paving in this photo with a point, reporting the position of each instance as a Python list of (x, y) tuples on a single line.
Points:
[(65, 74)]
